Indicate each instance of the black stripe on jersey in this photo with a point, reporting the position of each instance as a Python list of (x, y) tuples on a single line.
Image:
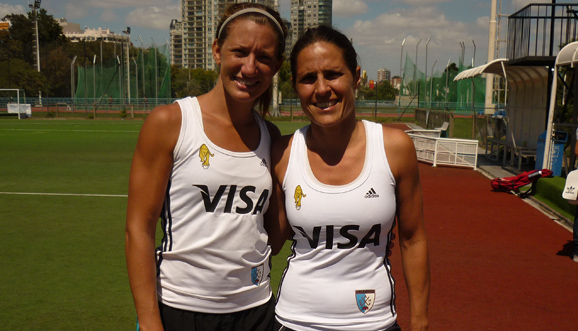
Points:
[(166, 225), (387, 265), (289, 258), (167, 221)]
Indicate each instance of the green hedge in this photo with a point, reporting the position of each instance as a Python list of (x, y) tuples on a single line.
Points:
[(549, 191)]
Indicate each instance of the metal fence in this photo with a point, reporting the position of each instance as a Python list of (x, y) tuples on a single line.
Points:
[(445, 151)]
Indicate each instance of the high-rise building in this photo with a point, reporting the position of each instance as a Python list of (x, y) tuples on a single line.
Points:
[(383, 74), (196, 31), (177, 43), (309, 13)]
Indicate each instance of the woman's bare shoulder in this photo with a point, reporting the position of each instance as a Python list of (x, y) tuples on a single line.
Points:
[(162, 126), (166, 114), (396, 139)]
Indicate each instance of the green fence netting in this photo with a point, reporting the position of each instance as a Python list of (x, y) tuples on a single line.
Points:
[(143, 79), (439, 90)]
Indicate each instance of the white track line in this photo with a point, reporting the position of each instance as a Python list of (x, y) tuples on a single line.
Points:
[(67, 194), (78, 130)]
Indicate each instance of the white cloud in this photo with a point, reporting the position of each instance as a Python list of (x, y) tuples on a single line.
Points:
[(379, 40), (519, 4), (348, 8), (153, 17), (108, 15), (75, 11), (423, 2), (6, 9), (483, 22), (126, 3)]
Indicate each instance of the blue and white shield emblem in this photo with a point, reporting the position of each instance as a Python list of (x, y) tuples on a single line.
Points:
[(365, 300), (257, 274)]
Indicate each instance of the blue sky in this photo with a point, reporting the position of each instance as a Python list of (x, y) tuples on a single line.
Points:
[(377, 27)]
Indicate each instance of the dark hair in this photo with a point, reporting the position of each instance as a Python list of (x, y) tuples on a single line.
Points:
[(327, 34), (279, 27)]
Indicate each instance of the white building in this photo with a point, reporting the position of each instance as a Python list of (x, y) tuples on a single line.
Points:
[(74, 33)]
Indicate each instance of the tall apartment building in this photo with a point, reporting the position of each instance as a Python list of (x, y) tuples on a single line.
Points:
[(383, 74), (176, 43), (192, 37), (309, 13)]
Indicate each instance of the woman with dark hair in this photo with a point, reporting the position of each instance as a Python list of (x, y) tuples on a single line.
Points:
[(202, 165), (340, 187)]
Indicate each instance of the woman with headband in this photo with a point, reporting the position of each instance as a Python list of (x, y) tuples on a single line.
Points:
[(202, 165)]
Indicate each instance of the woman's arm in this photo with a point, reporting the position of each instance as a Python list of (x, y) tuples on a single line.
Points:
[(412, 237), (276, 223), (151, 167)]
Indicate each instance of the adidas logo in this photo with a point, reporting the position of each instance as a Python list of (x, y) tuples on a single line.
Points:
[(264, 163), (371, 194)]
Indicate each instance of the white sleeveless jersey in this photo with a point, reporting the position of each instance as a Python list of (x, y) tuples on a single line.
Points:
[(338, 277), (214, 256)]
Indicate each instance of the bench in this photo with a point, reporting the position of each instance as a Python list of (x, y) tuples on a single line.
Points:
[(521, 153), (444, 129), (493, 148)]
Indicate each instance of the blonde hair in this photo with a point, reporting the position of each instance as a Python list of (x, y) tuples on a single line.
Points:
[(259, 14)]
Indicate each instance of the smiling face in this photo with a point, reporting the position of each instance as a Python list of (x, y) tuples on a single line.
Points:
[(247, 59), (325, 85)]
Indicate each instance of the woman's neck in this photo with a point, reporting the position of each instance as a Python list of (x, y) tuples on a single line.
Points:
[(330, 143), (221, 106)]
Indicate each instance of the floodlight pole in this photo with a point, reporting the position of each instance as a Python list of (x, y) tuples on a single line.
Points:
[(431, 83), (127, 32), (119, 71), (375, 90), (119, 74), (425, 80), (100, 77), (447, 76), (463, 46), (85, 92), (474, 57), (94, 77), (415, 70), (35, 8), (72, 94), (156, 75), (400, 76), (143, 68), (136, 74), (101, 55)]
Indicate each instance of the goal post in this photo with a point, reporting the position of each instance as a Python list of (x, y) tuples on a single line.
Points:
[(14, 101)]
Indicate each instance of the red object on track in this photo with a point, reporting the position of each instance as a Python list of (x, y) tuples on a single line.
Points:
[(507, 184)]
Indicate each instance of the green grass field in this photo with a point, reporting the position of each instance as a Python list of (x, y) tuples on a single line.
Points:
[(63, 186)]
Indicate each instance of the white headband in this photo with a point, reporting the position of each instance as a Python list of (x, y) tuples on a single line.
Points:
[(250, 10)]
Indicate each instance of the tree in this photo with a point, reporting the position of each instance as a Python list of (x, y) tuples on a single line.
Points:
[(22, 76), (385, 91), (57, 72), (17, 57), (20, 37), (191, 82)]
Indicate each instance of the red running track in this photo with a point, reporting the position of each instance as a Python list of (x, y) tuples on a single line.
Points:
[(497, 263)]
